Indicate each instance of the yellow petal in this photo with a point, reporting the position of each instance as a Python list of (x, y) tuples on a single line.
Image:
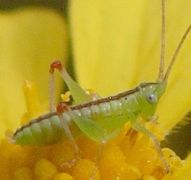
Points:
[(30, 39), (109, 40), (117, 46)]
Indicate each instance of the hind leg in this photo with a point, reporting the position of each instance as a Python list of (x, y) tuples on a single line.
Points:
[(61, 108)]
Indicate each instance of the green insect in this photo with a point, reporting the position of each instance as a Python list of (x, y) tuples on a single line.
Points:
[(103, 118)]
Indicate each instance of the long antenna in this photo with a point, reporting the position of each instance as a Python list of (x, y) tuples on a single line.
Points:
[(176, 52), (163, 29)]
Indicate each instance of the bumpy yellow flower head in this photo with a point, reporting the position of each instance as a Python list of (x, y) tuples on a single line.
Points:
[(129, 156)]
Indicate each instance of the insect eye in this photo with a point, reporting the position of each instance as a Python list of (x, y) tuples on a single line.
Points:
[(151, 98)]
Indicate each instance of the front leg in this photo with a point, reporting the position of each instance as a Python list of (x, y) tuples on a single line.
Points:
[(139, 127)]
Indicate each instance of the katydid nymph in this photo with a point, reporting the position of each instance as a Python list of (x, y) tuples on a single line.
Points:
[(101, 119)]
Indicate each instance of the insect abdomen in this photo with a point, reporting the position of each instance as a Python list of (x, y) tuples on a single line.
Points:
[(50, 131), (47, 131), (100, 110), (121, 106)]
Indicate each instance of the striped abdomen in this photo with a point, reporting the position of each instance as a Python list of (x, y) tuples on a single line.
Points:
[(42, 131)]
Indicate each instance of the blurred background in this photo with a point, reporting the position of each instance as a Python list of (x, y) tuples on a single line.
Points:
[(32, 34), (58, 5)]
